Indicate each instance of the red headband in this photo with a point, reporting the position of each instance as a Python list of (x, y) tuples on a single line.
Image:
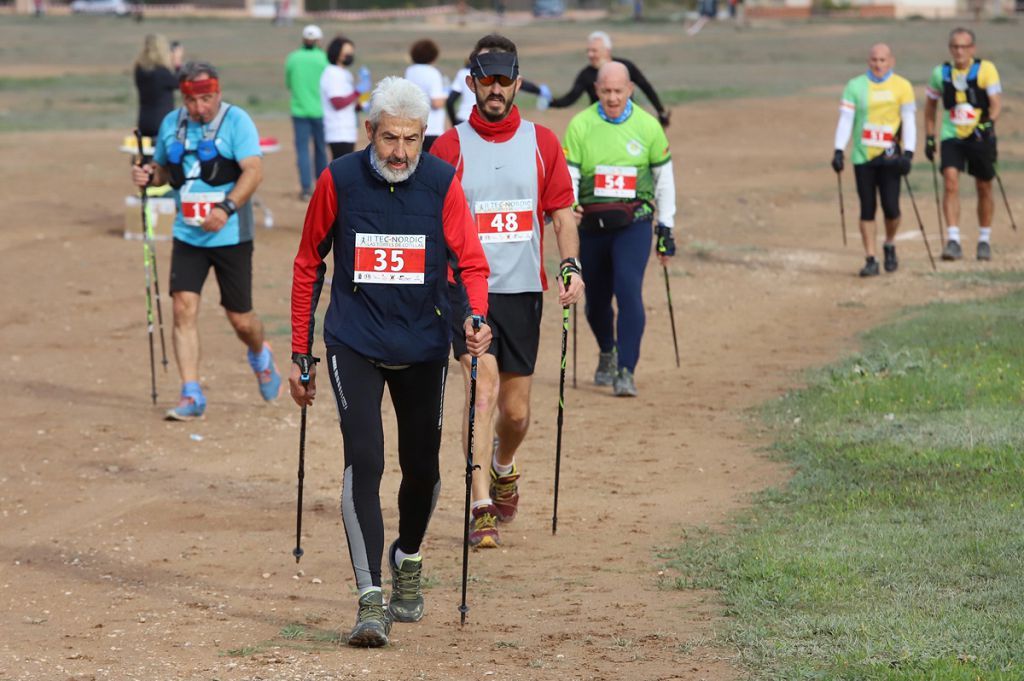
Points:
[(200, 87)]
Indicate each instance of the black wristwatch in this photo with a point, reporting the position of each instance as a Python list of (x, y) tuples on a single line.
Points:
[(572, 264), (228, 206)]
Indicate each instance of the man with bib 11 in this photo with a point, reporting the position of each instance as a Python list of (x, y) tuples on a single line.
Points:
[(514, 173), (970, 92), (395, 219), (209, 152), (621, 168), (878, 109)]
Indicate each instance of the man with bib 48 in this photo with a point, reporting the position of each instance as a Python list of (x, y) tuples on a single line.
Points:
[(514, 173), (395, 219), (621, 167), (878, 109), (209, 152), (970, 92)]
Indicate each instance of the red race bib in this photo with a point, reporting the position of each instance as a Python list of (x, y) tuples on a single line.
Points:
[(390, 258), (504, 221), (615, 182), (195, 207)]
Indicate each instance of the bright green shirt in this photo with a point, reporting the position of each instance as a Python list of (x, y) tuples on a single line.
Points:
[(878, 111), (961, 121), (302, 71), (615, 159)]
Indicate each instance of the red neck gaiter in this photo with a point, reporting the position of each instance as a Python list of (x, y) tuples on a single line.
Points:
[(502, 131)]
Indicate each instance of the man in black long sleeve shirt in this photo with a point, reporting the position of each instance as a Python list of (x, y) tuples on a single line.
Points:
[(599, 52)]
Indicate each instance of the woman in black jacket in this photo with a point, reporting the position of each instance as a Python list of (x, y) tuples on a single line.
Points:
[(156, 80)]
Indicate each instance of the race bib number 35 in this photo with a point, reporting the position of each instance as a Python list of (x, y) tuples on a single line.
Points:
[(615, 181), (195, 207), (504, 221), (390, 258)]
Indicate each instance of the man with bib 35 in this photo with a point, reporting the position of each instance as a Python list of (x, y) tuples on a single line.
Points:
[(513, 172), (970, 92), (209, 152), (621, 168), (878, 109)]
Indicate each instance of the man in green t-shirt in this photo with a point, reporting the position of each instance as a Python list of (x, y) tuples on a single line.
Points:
[(302, 71), (621, 168)]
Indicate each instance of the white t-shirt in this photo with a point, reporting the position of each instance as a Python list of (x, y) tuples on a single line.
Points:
[(466, 96), (339, 125), (430, 80)]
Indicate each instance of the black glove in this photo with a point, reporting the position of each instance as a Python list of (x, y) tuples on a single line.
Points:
[(664, 117), (985, 131), (929, 148), (906, 161), (837, 161), (665, 245)]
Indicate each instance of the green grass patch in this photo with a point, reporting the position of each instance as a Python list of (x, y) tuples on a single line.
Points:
[(895, 552)]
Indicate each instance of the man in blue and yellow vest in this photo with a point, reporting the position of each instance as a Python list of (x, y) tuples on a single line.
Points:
[(970, 93)]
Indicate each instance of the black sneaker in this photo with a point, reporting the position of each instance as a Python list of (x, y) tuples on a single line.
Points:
[(372, 622), (870, 268), (984, 251), (891, 263), (952, 251)]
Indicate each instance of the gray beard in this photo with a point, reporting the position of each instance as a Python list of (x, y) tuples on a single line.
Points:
[(393, 176)]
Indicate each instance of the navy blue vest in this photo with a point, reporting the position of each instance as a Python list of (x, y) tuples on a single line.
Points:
[(390, 323)]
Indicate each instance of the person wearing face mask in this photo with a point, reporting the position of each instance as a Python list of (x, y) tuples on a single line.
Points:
[(209, 152), (621, 168), (395, 219), (514, 174), (340, 98)]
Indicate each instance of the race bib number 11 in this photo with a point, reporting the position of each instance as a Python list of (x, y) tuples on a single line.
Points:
[(195, 207), (504, 221), (615, 181), (390, 258)]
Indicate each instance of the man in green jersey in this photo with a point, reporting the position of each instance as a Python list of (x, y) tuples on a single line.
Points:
[(302, 71), (621, 169), (971, 94)]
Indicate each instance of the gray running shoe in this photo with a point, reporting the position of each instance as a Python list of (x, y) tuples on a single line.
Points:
[(984, 251), (406, 603), (607, 366), (952, 251), (372, 622), (624, 386)]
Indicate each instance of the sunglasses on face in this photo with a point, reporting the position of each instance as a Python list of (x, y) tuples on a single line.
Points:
[(503, 81)]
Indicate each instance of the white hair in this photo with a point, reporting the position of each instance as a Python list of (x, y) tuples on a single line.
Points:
[(398, 97), (602, 36)]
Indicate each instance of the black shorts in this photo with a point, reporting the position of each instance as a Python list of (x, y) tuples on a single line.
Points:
[(514, 319), (231, 264), (977, 156), (878, 178)]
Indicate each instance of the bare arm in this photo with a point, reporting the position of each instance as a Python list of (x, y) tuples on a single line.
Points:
[(995, 106), (564, 223), (930, 107)]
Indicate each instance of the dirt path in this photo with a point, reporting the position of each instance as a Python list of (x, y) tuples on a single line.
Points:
[(134, 549)]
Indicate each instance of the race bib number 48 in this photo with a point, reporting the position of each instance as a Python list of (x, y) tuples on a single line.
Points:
[(390, 258), (615, 181), (504, 221), (195, 207)]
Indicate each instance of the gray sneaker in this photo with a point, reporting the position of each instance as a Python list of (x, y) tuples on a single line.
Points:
[(952, 251), (372, 622), (624, 386), (984, 251), (607, 366), (406, 603)]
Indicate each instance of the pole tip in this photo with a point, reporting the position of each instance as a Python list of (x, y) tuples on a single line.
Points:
[(297, 552)]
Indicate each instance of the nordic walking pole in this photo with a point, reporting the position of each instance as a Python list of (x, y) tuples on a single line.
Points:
[(147, 264), (910, 193), (842, 210), (938, 207), (1005, 202), (306, 362), (574, 346), (561, 406), (671, 314), (470, 467), (149, 252)]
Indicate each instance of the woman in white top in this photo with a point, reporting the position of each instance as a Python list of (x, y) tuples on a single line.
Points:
[(461, 92), (340, 98), (422, 72)]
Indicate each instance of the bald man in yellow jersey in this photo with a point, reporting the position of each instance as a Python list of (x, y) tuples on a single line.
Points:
[(878, 111), (971, 95)]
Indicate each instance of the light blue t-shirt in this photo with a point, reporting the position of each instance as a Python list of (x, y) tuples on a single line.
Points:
[(237, 139)]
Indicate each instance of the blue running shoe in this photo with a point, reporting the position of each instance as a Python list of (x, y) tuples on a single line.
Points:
[(268, 376), (189, 409)]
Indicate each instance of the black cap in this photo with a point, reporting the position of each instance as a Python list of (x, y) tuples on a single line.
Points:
[(495, 64)]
